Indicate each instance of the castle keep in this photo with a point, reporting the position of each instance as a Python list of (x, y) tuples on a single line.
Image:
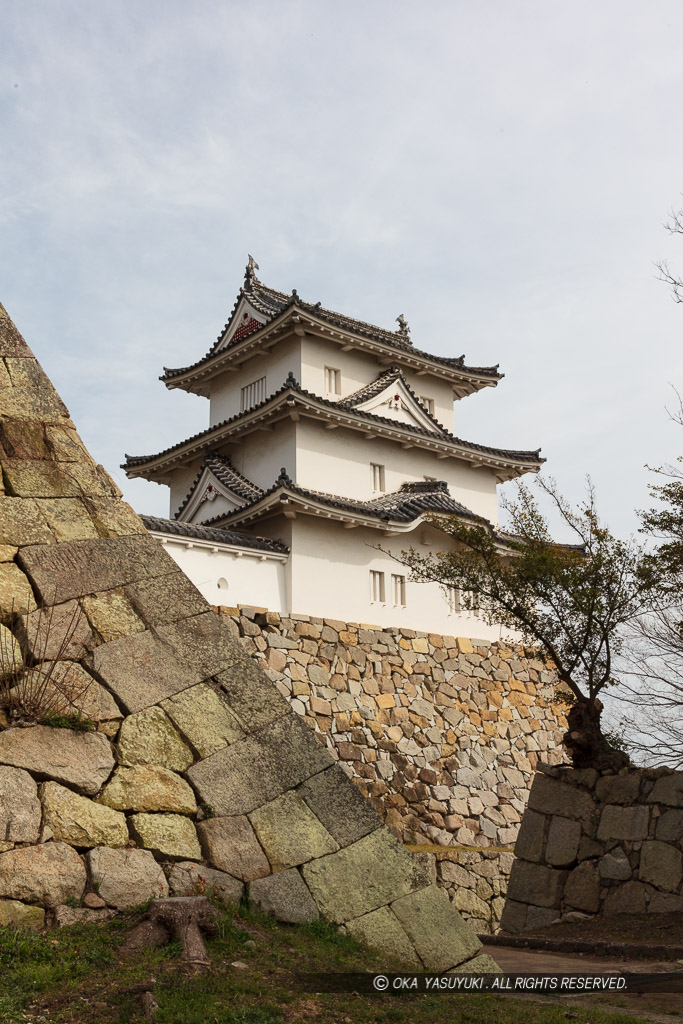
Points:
[(329, 440)]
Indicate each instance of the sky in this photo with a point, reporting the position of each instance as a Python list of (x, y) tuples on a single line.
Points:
[(499, 173)]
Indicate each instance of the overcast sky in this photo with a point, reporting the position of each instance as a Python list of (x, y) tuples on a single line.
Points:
[(498, 172)]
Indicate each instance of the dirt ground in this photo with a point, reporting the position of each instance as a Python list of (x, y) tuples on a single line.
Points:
[(655, 1007), (650, 929)]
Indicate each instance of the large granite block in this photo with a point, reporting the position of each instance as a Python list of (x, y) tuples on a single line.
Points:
[(40, 478), (21, 523), (20, 810), (344, 812), (290, 833), (11, 342), (661, 864), (145, 787), (550, 796), (285, 896), (68, 518), (16, 596), (126, 878), (60, 631), (80, 759), (623, 822), (80, 567), (203, 642), (149, 737), (537, 884), (78, 821), (255, 770), (165, 599), (439, 934), (204, 718), (362, 877), (382, 930), (251, 695), (51, 873), (230, 844), (141, 670), (40, 404)]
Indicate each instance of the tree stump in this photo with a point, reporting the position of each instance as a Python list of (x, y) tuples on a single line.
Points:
[(182, 918)]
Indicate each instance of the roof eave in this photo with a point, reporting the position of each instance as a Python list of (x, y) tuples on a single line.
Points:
[(505, 467), (464, 380), (290, 504)]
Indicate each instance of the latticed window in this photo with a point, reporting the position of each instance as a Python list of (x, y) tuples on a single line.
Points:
[(377, 477), (427, 403), (398, 590), (252, 394), (377, 586), (332, 381), (453, 600)]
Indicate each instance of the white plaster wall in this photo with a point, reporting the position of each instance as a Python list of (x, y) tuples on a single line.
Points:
[(263, 453), (331, 578), (274, 365), (359, 368), (181, 481), (338, 461), (210, 509), (224, 577)]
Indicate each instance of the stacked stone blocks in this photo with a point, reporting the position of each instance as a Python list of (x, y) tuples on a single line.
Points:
[(593, 844), (441, 734), (197, 772)]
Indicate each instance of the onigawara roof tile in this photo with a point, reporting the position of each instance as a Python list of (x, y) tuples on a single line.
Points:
[(200, 531), (271, 303)]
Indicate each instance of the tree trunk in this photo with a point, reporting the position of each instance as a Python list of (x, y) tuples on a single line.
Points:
[(182, 917), (585, 743)]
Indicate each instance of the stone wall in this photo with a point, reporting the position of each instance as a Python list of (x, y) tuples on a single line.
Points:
[(595, 844), (441, 734), (195, 770)]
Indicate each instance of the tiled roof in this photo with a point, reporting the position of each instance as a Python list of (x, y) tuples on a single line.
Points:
[(270, 303), (377, 386), (403, 506), (292, 385), (225, 473), (213, 533)]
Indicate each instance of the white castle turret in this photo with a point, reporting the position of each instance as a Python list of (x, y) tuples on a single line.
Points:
[(329, 440)]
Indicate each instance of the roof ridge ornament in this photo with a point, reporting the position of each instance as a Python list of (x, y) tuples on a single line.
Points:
[(250, 272), (403, 328)]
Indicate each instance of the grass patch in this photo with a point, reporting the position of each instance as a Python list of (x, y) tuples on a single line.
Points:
[(80, 975), (59, 720)]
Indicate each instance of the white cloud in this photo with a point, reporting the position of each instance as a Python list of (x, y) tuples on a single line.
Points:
[(497, 172)]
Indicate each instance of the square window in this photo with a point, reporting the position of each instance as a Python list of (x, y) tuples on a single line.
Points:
[(377, 477), (332, 381), (376, 586), (398, 590)]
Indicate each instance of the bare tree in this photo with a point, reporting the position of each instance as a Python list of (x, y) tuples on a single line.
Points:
[(653, 678), (571, 601), (675, 227)]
